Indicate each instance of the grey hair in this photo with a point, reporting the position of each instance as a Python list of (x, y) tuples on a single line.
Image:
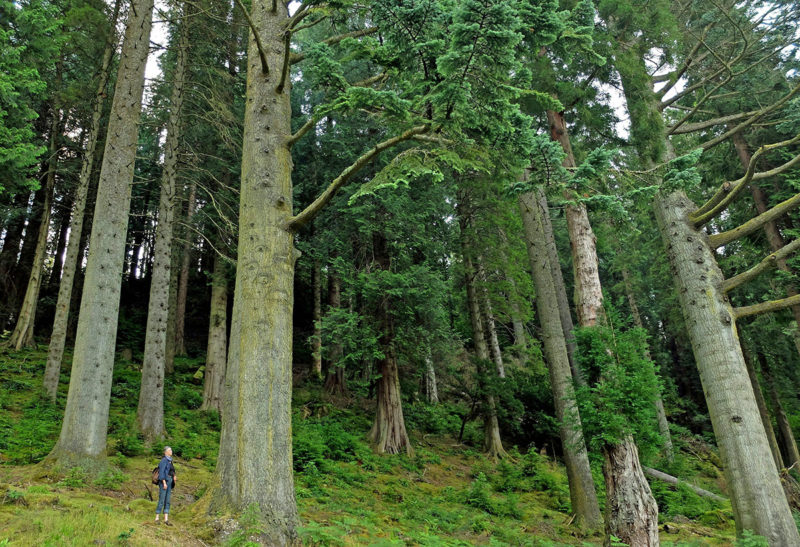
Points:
[(167, 448)]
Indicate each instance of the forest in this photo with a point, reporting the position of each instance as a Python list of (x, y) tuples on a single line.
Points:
[(400, 272)]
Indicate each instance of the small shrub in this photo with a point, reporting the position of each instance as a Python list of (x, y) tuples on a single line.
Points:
[(13, 496), (130, 443), (110, 479), (189, 397), (75, 478), (750, 539), (478, 495)]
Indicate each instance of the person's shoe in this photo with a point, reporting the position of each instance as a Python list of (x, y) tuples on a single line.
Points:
[(167, 523)]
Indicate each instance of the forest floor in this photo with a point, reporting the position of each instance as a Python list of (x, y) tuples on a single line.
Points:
[(446, 494)]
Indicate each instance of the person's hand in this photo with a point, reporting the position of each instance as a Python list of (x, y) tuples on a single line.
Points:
[(165, 484)]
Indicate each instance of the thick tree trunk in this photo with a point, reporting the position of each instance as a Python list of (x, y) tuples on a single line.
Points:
[(83, 433), (334, 381), (631, 511), (774, 236), (22, 335), (58, 336), (316, 339), (564, 314), (790, 453), (581, 485), (492, 443), (763, 411), (183, 280), (214, 376), (389, 429), (150, 414), (756, 494), (255, 457)]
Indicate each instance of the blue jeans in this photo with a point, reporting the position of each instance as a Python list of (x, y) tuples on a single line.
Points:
[(164, 494)]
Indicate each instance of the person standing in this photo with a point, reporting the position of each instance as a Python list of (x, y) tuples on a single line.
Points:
[(166, 482)]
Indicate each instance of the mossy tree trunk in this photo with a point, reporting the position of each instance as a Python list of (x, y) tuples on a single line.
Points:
[(581, 485), (214, 376), (84, 430), (150, 413)]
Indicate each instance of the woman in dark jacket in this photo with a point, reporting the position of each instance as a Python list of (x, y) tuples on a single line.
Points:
[(166, 482)]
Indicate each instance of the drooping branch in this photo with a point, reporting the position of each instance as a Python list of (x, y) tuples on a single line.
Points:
[(764, 307), (729, 190), (305, 216), (750, 121), (262, 53), (718, 240), (287, 51), (699, 126), (297, 57), (769, 262)]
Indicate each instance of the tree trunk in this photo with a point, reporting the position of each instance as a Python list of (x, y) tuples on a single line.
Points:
[(631, 511), (389, 429), (183, 280), (316, 339), (22, 336), (790, 453), (58, 337), (431, 390), (214, 376), (564, 314), (762, 406), (581, 485), (83, 433), (150, 414), (335, 381), (169, 360), (774, 236), (24, 266), (15, 226), (488, 319), (255, 457), (61, 246), (756, 494)]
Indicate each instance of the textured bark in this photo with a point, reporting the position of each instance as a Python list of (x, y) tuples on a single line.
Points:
[(564, 314), (58, 336), (631, 511), (576, 460), (431, 389), (763, 411), (255, 457), (756, 493), (22, 335), (661, 415), (217, 338), (774, 236), (83, 433), (334, 381), (388, 431), (492, 443), (150, 413), (316, 339), (183, 280)]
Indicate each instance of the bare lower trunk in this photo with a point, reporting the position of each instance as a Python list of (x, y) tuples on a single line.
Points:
[(61, 247), (255, 458), (316, 339), (169, 359), (790, 453), (581, 484), (631, 510), (756, 494), (83, 433), (431, 390), (183, 280), (763, 411), (150, 413), (214, 376), (490, 326), (335, 382)]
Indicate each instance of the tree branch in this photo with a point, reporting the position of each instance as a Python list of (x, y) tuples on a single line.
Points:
[(308, 214), (764, 307), (729, 190), (768, 263), (297, 57), (287, 51), (699, 126), (261, 51), (718, 240)]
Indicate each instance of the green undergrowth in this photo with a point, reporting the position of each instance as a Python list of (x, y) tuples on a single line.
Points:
[(446, 494)]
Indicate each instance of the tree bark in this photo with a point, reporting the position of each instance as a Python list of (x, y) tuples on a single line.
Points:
[(22, 335), (762, 407), (183, 280), (389, 429), (431, 390), (84, 430), (58, 336), (581, 485), (631, 511), (756, 493), (490, 328), (316, 339), (61, 247), (217, 338), (255, 457), (785, 433), (150, 413), (335, 382)]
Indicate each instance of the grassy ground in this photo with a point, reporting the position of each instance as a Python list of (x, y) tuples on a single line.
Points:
[(447, 494)]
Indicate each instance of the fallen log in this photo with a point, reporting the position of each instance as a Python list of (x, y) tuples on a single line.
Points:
[(660, 475)]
